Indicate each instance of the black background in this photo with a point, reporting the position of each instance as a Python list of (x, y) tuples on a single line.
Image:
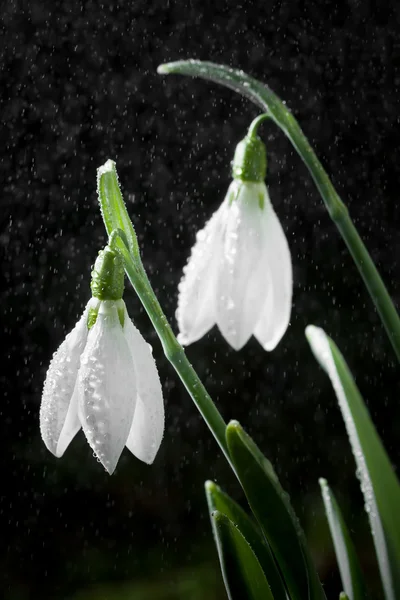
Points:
[(78, 85)]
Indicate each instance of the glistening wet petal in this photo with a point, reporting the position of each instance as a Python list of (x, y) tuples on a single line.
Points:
[(197, 290), (107, 387), (275, 315), (147, 427), (59, 421), (240, 291)]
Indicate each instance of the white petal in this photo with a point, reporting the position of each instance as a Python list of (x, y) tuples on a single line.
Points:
[(59, 421), (240, 291), (107, 387), (275, 316), (148, 422), (196, 301)]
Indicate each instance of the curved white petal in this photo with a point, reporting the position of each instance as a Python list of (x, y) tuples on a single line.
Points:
[(197, 290), (240, 291), (147, 427), (107, 387), (275, 315), (59, 421)]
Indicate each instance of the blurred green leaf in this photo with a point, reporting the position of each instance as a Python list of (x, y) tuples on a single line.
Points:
[(243, 576), (350, 571), (343, 596), (192, 583), (272, 508), (218, 500), (379, 483)]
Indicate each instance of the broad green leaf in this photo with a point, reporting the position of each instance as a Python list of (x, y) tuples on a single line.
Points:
[(112, 205), (243, 576), (350, 571), (218, 500), (272, 509), (379, 483), (262, 95)]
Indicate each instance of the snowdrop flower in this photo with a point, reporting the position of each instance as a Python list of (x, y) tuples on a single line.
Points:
[(239, 274), (103, 378)]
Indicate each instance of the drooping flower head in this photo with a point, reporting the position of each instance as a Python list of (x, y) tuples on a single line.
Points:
[(239, 274), (103, 378)]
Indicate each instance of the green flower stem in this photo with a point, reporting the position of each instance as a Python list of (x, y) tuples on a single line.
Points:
[(252, 132), (122, 238), (176, 355), (264, 97)]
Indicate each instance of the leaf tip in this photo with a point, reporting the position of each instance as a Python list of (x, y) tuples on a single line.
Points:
[(210, 487), (311, 332), (233, 431), (319, 343), (234, 426), (323, 482), (108, 167), (163, 69)]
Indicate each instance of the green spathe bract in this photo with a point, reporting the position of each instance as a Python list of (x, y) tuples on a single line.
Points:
[(113, 209)]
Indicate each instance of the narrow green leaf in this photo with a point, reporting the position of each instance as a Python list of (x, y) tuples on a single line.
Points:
[(379, 483), (243, 576), (350, 571), (112, 205), (218, 500), (264, 97), (275, 515), (343, 596)]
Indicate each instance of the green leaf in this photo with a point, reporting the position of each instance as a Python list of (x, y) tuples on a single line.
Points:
[(243, 576), (272, 509), (264, 97), (350, 571), (343, 596), (218, 500), (379, 483), (113, 209)]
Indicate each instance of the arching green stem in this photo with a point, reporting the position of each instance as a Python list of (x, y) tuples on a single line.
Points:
[(252, 132)]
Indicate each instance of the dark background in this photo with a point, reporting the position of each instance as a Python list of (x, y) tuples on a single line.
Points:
[(78, 85)]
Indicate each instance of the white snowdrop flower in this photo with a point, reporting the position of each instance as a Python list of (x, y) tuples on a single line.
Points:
[(103, 379), (239, 274)]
